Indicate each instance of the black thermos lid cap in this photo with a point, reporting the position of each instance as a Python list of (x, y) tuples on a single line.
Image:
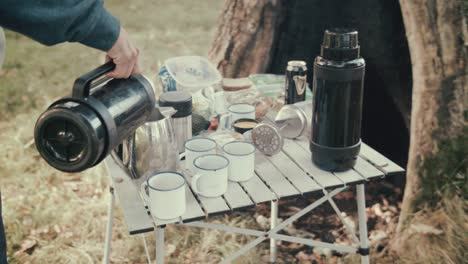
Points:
[(340, 44), (67, 140), (179, 100)]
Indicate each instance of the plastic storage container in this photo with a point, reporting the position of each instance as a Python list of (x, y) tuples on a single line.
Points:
[(188, 73)]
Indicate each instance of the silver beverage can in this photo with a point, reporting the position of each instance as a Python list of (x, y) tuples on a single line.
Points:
[(296, 82)]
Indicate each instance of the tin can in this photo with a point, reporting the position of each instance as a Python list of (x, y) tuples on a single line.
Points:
[(296, 82)]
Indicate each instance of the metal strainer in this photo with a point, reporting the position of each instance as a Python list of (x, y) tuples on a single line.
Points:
[(267, 139)]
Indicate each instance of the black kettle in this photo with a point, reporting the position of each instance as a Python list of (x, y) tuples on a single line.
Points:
[(77, 132)]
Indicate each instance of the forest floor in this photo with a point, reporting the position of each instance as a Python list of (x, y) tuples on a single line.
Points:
[(52, 217)]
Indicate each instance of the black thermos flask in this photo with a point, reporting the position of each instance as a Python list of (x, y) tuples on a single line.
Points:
[(77, 132), (338, 85)]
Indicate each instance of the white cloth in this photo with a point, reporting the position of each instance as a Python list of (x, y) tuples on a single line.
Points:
[(2, 47)]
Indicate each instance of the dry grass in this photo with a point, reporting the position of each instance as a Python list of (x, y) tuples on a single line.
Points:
[(438, 236), (435, 236), (52, 217)]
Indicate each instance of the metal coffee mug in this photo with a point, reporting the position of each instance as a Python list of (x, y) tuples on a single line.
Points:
[(236, 112), (164, 193), (211, 180), (196, 147), (241, 157)]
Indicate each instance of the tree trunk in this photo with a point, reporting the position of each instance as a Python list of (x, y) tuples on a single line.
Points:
[(261, 36), (438, 148), (245, 34)]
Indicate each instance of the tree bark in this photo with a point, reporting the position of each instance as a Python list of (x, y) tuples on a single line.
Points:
[(438, 139), (244, 37), (264, 35), (254, 36)]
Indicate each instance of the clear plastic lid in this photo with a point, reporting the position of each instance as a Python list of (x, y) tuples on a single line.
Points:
[(193, 71)]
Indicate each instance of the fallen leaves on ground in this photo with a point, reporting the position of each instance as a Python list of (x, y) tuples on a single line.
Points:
[(27, 246), (322, 224)]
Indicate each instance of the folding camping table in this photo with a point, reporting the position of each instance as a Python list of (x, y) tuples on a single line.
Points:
[(288, 174)]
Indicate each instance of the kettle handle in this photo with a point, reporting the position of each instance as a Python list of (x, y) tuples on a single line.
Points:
[(82, 85)]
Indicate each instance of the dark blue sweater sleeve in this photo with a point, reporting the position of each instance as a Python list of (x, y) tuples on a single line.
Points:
[(55, 21)]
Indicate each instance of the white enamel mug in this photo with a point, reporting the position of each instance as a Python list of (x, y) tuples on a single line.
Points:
[(211, 180), (164, 193), (236, 112), (219, 103), (196, 147), (241, 155)]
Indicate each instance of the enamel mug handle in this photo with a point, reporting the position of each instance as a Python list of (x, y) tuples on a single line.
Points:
[(145, 196), (219, 103), (224, 120), (195, 183), (182, 155)]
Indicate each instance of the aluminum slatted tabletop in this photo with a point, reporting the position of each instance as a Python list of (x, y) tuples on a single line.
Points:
[(288, 174)]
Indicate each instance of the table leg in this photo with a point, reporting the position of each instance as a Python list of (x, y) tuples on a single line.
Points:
[(281, 226), (273, 223), (148, 258), (110, 218), (159, 245), (363, 241)]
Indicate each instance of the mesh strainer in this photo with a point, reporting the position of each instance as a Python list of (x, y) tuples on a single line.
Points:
[(267, 139)]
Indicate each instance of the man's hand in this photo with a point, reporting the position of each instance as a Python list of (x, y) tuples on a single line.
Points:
[(125, 56)]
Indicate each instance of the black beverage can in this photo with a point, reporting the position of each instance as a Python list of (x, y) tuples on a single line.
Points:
[(296, 82)]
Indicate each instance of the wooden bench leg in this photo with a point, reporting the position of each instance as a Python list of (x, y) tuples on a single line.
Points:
[(363, 240), (273, 223)]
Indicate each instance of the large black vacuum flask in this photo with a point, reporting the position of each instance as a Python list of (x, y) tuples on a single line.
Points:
[(338, 84), (77, 132)]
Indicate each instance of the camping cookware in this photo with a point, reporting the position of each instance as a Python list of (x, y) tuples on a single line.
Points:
[(241, 156), (267, 138), (211, 179), (235, 112), (78, 131), (196, 147), (337, 102), (164, 194), (291, 121), (152, 147), (182, 119), (244, 124)]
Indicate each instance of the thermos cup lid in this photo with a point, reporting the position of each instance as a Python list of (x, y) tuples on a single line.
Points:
[(297, 63), (291, 121), (69, 141), (179, 100), (340, 44)]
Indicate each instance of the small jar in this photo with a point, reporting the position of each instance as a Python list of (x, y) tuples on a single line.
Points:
[(182, 120)]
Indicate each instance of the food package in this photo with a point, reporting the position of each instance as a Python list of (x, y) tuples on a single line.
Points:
[(236, 84)]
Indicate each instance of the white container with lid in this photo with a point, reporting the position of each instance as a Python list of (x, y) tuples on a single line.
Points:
[(192, 73)]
